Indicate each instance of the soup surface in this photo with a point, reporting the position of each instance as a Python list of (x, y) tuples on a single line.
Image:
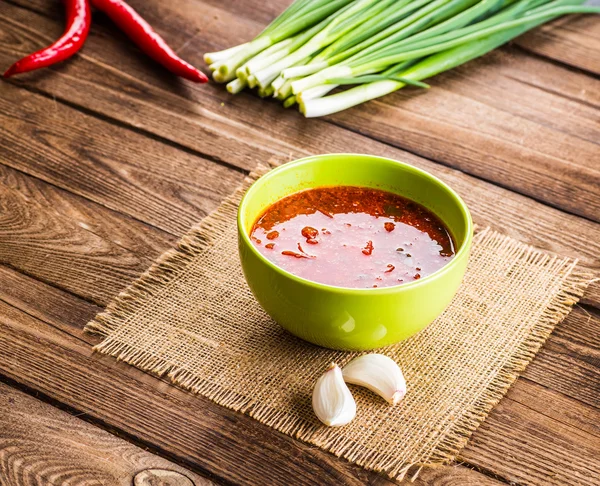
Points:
[(353, 237)]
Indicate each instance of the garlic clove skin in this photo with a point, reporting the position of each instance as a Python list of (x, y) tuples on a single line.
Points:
[(378, 373), (332, 401)]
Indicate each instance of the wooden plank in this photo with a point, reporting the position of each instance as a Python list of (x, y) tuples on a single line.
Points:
[(535, 444), (573, 40), (569, 367), (68, 313), (573, 346), (500, 118), (140, 96), (554, 400), (98, 256), (40, 444), (85, 257), (454, 475), (568, 364), (584, 332), (142, 239), (55, 249), (451, 124), (206, 436), (554, 404), (546, 413), (49, 304), (513, 214), (115, 167), (592, 294)]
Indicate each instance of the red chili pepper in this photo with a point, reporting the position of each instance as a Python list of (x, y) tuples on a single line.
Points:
[(78, 24), (367, 250), (140, 32)]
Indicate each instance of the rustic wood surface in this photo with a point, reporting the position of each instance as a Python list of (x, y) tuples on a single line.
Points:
[(41, 444), (105, 160)]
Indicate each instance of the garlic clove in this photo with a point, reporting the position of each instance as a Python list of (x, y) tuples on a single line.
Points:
[(378, 373), (332, 401)]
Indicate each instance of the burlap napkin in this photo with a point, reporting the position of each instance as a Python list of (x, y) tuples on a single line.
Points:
[(192, 316)]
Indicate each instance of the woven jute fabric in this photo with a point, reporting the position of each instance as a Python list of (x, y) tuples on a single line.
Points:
[(191, 316)]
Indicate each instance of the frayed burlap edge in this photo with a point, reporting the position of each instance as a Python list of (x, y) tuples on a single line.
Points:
[(197, 239), (200, 237)]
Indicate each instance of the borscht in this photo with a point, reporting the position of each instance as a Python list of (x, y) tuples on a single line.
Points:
[(350, 236)]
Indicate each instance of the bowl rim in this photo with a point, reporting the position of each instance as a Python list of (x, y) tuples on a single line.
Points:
[(459, 255)]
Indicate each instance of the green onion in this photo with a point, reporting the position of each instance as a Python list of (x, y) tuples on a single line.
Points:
[(289, 23), (290, 101), (397, 53), (431, 66), (212, 57), (436, 44), (379, 46), (377, 77)]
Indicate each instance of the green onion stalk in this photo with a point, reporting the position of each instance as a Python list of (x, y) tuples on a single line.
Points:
[(336, 27), (379, 46), (395, 53), (428, 15), (431, 66), (300, 15)]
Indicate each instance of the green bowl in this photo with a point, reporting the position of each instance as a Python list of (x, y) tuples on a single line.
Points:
[(349, 318)]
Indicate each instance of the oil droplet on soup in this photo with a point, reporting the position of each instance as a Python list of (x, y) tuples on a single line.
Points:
[(353, 237)]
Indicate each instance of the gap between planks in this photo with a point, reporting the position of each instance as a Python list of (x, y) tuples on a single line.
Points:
[(195, 152), (570, 422), (412, 151), (473, 175), (547, 225), (547, 222), (42, 444), (320, 459)]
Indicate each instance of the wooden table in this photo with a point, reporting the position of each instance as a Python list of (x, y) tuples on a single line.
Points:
[(106, 160)]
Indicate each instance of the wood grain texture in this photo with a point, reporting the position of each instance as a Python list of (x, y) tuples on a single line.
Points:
[(450, 123), (42, 445), (490, 204), (584, 332), (114, 167), (573, 40), (231, 446), (52, 305), (151, 477), (554, 404), (527, 444), (571, 368), (65, 312), (130, 89), (42, 235), (553, 397), (106, 159), (504, 119), (546, 430), (118, 228), (39, 242), (453, 475)]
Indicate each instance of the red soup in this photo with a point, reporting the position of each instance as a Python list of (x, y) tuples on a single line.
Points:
[(353, 237)]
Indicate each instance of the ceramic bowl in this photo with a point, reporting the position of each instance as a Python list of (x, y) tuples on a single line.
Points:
[(350, 318)]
